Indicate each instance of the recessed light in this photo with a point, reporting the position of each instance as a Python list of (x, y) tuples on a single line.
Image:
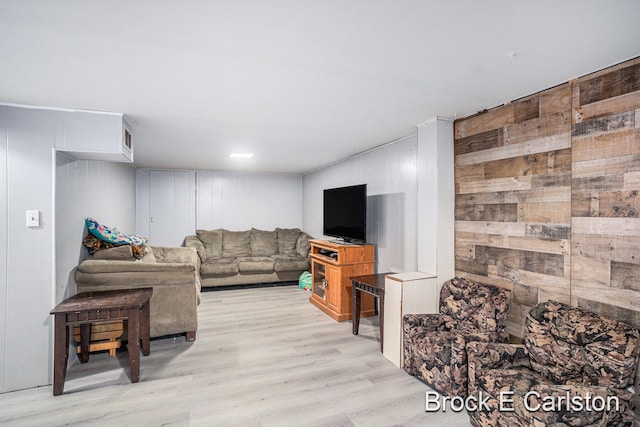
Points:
[(240, 155)]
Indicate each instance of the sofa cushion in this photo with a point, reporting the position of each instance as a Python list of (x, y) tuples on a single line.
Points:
[(236, 243), (303, 245), (290, 263), (287, 239), (220, 267), (263, 243), (122, 253), (255, 264), (212, 241)]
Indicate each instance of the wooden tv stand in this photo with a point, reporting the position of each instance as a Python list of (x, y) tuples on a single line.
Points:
[(332, 264)]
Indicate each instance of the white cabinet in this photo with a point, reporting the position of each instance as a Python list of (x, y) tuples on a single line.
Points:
[(406, 293), (91, 135)]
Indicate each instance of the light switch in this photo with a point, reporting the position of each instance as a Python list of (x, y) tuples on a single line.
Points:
[(33, 218)]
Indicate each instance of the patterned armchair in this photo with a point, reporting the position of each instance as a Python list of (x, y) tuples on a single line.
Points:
[(434, 344), (574, 369)]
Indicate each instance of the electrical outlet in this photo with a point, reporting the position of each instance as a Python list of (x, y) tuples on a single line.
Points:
[(33, 218)]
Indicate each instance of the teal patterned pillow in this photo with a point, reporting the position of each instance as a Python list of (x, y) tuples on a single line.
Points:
[(112, 235)]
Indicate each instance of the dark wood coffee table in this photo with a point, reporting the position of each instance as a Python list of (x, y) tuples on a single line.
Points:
[(86, 308), (372, 284)]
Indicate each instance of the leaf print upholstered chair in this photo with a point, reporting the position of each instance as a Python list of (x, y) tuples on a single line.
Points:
[(434, 344), (574, 369)]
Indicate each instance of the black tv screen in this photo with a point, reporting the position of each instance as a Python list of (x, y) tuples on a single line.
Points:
[(345, 213)]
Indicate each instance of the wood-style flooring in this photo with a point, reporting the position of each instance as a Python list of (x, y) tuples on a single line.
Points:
[(263, 357)]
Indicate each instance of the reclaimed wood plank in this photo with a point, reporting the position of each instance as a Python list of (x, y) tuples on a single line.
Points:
[(549, 194), (626, 102), (590, 272), (549, 231), (599, 183), (529, 278), (604, 124), (605, 247), (471, 266), (549, 125), (478, 142), (610, 226), (555, 99), (491, 227), (625, 275), (614, 204), (551, 180), (485, 121), (537, 262), (610, 85), (606, 166), (631, 181), (469, 173), (561, 247), (524, 294), (616, 144), (487, 212), (526, 109), (538, 145), (514, 183), (533, 164), (555, 212)]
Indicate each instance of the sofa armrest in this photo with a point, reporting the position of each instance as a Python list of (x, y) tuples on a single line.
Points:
[(303, 245), (194, 242), (97, 266), (491, 355), (188, 255)]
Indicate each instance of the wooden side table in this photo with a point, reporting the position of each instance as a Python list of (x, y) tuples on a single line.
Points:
[(372, 284), (85, 308)]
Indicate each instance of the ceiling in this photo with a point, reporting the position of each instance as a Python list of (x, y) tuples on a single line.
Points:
[(299, 83)]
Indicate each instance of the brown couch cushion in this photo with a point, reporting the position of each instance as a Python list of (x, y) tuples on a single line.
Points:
[(236, 243), (212, 241), (290, 263), (220, 267), (287, 239), (122, 253), (263, 243), (255, 264)]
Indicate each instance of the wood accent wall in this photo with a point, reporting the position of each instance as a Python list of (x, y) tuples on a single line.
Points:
[(547, 196)]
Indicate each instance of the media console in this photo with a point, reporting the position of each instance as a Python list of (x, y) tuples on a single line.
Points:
[(332, 264)]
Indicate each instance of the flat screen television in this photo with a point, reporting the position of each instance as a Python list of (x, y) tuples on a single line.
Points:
[(345, 213)]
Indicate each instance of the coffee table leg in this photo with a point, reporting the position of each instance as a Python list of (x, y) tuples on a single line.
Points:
[(355, 312), (145, 328), (60, 353), (133, 323)]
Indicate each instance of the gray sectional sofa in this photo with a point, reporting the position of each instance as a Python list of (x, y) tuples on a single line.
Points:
[(251, 256)]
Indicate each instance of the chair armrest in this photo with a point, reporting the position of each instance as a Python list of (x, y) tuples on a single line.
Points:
[(490, 355), (417, 324), (194, 242)]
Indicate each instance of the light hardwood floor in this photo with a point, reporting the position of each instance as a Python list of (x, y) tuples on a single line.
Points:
[(263, 357)]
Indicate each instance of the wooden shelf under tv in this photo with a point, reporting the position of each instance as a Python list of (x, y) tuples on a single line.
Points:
[(333, 264)]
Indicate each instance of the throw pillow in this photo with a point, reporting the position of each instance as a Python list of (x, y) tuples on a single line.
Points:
[(212, 241), (263, 243), (287, 239), (236, 243)]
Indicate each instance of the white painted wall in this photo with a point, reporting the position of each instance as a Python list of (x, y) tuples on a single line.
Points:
[(102, 190), (35, 263), (390, 175), (28, 255), (241, 200), (216, 199)]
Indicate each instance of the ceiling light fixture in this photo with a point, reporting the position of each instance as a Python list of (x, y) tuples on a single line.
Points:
[(240, 155)]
